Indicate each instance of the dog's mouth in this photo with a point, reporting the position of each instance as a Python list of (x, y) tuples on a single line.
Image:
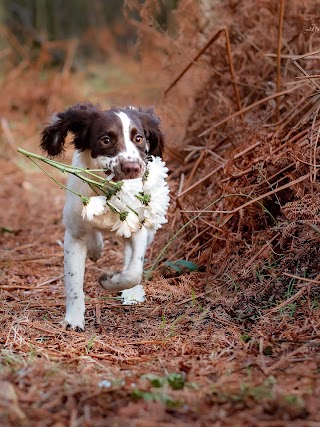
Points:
[(126, 170), (113, 176), (110, 175)]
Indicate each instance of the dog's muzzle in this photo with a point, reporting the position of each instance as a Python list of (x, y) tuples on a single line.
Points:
[(130, 170)]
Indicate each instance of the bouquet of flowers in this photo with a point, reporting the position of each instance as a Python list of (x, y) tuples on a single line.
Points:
[(130, 204)]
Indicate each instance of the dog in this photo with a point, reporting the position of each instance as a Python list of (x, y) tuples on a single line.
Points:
[(118, 141)]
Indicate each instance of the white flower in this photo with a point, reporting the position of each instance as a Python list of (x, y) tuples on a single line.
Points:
[(148, 197), (157, 172), (117, 203), (95, 206), (133, 295), (159, 200), (152, 214), (152, 221), (131, 186), (127, 225), (126, 196)]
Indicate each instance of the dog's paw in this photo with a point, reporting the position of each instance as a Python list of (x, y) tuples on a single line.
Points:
[(76, 324), (118, 281), (108, 280)]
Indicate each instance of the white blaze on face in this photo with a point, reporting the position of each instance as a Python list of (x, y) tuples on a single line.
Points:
[(131, 149)]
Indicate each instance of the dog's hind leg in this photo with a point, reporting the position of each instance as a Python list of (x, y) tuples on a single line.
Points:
[(95, 245), (75, 252), (131, 275)]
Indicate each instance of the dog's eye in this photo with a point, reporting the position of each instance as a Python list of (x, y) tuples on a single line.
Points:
[(138, 139), (105, 140)]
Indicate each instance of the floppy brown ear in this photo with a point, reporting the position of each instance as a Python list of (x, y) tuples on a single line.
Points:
[(151, 126), (77, 120)]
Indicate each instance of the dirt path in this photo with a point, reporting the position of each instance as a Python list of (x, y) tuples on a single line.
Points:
[(178, 359)]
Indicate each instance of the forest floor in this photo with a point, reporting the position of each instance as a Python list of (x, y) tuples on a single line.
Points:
[(177, 359)]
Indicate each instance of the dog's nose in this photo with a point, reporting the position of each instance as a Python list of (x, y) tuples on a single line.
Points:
[(131, 169)]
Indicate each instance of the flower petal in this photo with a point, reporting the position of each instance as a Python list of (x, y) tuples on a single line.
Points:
[(96, 206), (133, 295)]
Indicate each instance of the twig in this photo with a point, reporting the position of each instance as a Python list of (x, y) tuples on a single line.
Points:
[(195, 297), (194, 169), (312, 281), (285, 359), (306, 55), (8, 134), (20, 248), (286, 302), (172, 239), (200, 181), (290, 115), (197, 56), (206, 243), (54, 332), (278, 82), (31, 258), (53, 279), (254, 200), (15, 73), (146, 342), (5, 52), (222, 165), (14, 42), (98, 312), (313, 226), (314, 145), (288, 56), (264, 247), (231, 67), (116, 358), (70, 52), (314, 76), (183, 215), (305, 73), (250, 107), (13, 287)]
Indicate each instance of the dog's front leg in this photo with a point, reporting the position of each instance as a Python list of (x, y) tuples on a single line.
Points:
[(127, 253), (75, 252), (131, 275)]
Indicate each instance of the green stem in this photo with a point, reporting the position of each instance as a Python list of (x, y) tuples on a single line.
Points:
[(112, 207), (56, 181), (132, 210), (94, 190), (74, 170)]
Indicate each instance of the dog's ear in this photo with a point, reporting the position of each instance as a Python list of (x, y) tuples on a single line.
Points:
[(77, 120), (151, 126)]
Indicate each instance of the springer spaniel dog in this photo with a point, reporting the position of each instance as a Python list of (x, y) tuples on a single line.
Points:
[(117, 141)]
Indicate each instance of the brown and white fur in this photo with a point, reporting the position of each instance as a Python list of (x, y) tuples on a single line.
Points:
[(116, 141)]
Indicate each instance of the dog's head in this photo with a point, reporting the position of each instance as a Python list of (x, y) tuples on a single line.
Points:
[(120, 140)]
